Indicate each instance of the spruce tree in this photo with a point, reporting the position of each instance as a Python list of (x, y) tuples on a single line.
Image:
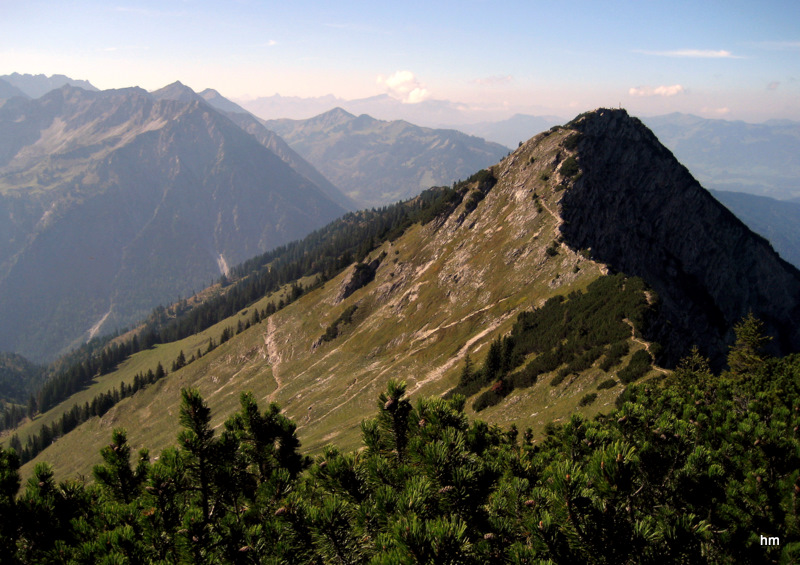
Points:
[(747, 352)]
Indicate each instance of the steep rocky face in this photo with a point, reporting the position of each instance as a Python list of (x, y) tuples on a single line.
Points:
[(113, 202), (266, 137), (641, 212)]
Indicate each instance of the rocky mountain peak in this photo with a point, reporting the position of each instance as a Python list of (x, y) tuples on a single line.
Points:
[(333, 117), (641, 212), (114, 189), (176, 91)]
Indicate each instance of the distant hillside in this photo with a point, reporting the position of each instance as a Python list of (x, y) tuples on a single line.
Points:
[(113, 202), (761, 159), (36, 86), (266, 137), (376, 162), (19, 378), (777, 220), (8, 90)]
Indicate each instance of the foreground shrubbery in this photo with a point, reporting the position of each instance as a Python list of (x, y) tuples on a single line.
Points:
[(694, 468)]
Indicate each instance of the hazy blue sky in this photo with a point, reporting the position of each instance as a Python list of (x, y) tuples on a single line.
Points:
[(738, 60)]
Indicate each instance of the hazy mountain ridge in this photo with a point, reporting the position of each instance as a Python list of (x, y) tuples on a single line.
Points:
[(36, 86), (736, 156), (377, 162), (256, 128), (118, 200), (777, 220), (446, 289), (512, 131), (8, 90), (428, 113)]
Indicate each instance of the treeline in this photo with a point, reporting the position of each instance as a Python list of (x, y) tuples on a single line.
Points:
[(77, 415), (18, 377), (693, 468), (323, 254), (567, 333), (103, 402)]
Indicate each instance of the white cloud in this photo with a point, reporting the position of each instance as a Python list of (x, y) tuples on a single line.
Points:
[(693, 53), (404, 86), (666, 91)]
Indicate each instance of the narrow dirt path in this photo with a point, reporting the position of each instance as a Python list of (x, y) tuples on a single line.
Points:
[(273, 358), (555, 216), (645, 344)]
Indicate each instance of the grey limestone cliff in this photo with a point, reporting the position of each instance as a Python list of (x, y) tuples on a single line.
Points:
[(641, 212)]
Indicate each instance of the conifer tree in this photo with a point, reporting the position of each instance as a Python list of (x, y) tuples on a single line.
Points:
[(748, 351), (393, 419), (9, 487), (116, 476), (197, 440)]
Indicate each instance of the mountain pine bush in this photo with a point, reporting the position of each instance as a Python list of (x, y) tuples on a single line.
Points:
[(693, 467)]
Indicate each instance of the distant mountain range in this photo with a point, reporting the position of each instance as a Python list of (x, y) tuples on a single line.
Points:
[(724, 155), (377, 162), (761, 159), (777, 220), (428, 113), (514, 130), (35, 86), (113, 202), (276, 144)]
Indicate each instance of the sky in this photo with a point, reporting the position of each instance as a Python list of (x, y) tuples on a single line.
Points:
[(731, 59)]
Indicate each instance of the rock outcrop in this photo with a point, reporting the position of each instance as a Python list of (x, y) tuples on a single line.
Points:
[(641, 212), (360, 276)]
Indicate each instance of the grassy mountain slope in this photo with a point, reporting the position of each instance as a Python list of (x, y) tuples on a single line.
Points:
[(418, 305), (442, 291)]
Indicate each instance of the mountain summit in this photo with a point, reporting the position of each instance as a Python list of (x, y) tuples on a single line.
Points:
[(642, 213), (112, 202)]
